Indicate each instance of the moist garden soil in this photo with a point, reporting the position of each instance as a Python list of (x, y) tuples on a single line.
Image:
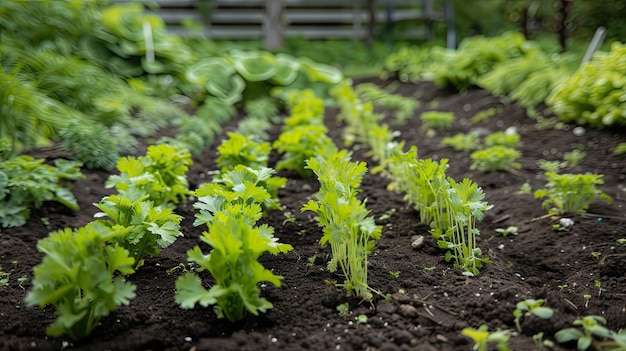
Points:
[(424, 307)]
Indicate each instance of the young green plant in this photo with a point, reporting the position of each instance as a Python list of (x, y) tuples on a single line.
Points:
[(346, 225), (82, 277), (570, 193)]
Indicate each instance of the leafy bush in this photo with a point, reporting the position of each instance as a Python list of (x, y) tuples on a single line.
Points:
[(594, 94)]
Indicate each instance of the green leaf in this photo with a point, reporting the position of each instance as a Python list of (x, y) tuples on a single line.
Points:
[(543, 312), (189, 291), (253, 66), (567, 334)]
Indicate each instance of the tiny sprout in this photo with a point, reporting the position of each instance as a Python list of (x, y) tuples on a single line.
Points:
[(361, 319), (311, 261), (179, 266), (558, 227), (562, 287), (343, 309), (395, 274), (387, 214), (574, 157), (596, 254), (525, 189), (541, 343), (289, 218), (621, 241), (429, 269), (587, 297), (508, 230), (598, 285)]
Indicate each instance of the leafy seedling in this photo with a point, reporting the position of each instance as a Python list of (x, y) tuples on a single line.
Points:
[(574, 157), (437, 119), (570, 193), (531, 306), (289, 218), (495, 158), (395, 274), (462, 141), (311, 261), (596, 254)]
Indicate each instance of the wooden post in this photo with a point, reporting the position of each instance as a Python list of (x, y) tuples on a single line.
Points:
[(273, 31)]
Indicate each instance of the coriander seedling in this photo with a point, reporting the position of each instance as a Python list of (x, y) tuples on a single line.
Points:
[(289, 218), (437, 119), (361, 319), (574, 157), (596, 254), (495, 158), (311, 261), (551, 166), (395, 274), (562, 287), (462, 141), (570, 193)]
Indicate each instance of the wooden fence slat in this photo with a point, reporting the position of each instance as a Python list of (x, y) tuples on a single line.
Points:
[(273, 20)]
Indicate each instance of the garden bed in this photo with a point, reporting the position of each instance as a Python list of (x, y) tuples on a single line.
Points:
[(428, 302)]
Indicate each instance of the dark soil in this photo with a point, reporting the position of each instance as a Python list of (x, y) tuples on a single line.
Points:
[(431, 302)]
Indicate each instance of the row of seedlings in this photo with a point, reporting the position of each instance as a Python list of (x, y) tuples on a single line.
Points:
[(242, 192), (449, 207), (83, 271), (351, 233)]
